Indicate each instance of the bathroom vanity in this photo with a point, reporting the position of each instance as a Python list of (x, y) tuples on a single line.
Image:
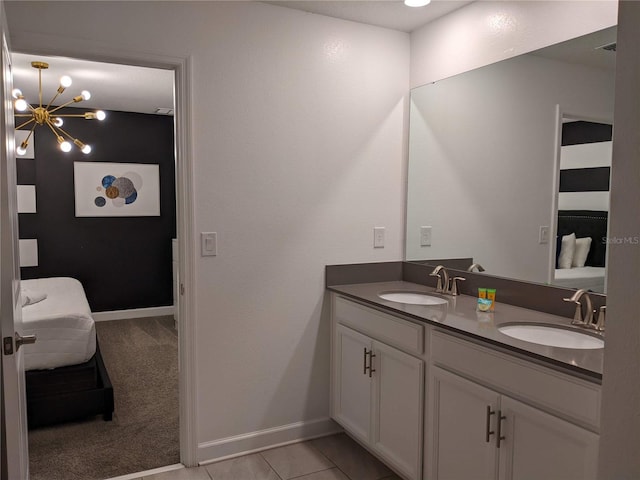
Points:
[(438, 391)]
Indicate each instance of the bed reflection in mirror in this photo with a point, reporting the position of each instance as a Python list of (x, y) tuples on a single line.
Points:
[(583, 204)]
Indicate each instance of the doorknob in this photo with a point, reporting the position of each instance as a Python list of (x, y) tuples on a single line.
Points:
[(7, 342), (26, 340)]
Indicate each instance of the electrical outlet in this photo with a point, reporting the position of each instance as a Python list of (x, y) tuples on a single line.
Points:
[(425, 236), (378, 237), (543, 236)]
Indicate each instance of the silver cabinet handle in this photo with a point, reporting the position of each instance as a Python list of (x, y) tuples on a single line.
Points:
[(500, 436), (489, 432), (371, 357), (365, 361)]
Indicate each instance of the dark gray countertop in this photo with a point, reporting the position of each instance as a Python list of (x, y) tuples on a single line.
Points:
[(460, 316)]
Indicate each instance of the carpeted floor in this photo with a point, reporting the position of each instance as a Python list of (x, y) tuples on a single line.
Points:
[(141, 356)]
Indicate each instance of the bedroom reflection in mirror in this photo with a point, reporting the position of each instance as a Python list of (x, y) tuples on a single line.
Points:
[(583, 205)]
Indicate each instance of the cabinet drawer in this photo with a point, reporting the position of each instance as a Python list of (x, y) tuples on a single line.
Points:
[(406, 335), (564, 395)]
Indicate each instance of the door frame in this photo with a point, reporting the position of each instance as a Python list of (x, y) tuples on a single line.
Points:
[(53, 45)]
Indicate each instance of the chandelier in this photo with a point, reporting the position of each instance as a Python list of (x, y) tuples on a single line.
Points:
[(46, 115)]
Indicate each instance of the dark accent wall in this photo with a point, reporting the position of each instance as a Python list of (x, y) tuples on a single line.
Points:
[(575, 133), (122, 262), (594, 179)]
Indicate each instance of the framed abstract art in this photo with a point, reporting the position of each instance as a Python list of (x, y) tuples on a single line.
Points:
[(116, 189)]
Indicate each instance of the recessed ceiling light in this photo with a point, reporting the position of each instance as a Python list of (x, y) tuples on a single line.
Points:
[(416, 3)]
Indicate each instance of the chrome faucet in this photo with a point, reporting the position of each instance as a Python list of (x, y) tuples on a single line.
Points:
[(442, 280), (588, 320), (477, 266), (444, 285)]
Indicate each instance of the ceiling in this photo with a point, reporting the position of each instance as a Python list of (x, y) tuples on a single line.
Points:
[(113, 87), (382, 13), (144, 90), (140, 89)]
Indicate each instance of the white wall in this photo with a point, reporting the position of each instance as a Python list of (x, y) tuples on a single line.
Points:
[(482, 160), (489, 31), (620, 429), (299, 150)]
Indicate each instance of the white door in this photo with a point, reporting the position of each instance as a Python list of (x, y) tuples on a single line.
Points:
[(462, 437), (352, 389), (538, 445), (398, 404), (14, 415)]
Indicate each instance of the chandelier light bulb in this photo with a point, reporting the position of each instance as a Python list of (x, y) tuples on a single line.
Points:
[(65, 81), (86, 95), (58, 122), (86, 149), (20, 150), (21, 105), (100, 115), (65, 146), (16, 93)]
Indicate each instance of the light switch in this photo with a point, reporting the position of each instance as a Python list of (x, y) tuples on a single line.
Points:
[(543, 236), (378, 237), (209, 244), (425, 236)]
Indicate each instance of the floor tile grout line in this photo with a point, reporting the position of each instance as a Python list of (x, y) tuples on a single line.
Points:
[(270, 466), (318, 450), (311, 473)]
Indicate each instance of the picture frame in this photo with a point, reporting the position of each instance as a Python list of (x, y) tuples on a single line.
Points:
[(104, 189)]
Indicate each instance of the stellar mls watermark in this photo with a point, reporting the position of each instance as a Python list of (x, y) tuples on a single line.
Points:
[(631, 240)]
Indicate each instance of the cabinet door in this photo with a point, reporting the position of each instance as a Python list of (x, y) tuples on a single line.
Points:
[(398, 406), (352, 388), (459, 424), (539, 445)]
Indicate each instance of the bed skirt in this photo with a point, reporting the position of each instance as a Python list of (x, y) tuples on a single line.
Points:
[(69, 393)]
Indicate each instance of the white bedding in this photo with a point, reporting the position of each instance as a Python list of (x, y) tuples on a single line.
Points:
[(62, 322), (589, 278)]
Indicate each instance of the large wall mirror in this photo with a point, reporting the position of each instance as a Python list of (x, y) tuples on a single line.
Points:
[(507, 159)]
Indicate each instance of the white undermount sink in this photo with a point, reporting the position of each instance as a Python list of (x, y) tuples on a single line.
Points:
[(552, 335), (413, 298)]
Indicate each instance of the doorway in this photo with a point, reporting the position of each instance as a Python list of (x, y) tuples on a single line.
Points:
[(159, 325)]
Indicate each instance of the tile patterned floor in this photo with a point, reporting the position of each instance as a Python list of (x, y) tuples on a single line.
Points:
[(329, 458)]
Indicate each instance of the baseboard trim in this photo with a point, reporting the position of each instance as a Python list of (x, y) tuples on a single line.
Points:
[(230, 447), (133, 313), (138, 475)]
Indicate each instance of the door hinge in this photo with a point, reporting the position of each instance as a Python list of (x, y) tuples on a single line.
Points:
[(182, 289), (7, 345)]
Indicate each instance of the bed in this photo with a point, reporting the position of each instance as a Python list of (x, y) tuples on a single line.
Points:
[(584, 223), (66, 378), (589, 278)]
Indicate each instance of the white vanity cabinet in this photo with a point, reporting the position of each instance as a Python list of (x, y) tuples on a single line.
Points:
[(477, 430), (378, 383)]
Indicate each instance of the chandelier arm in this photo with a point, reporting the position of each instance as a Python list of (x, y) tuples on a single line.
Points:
[(52, 100), (52, 127), (40, 86), (70, 115), (68, 135), (62, 106), (26, 123), (26, 140)]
